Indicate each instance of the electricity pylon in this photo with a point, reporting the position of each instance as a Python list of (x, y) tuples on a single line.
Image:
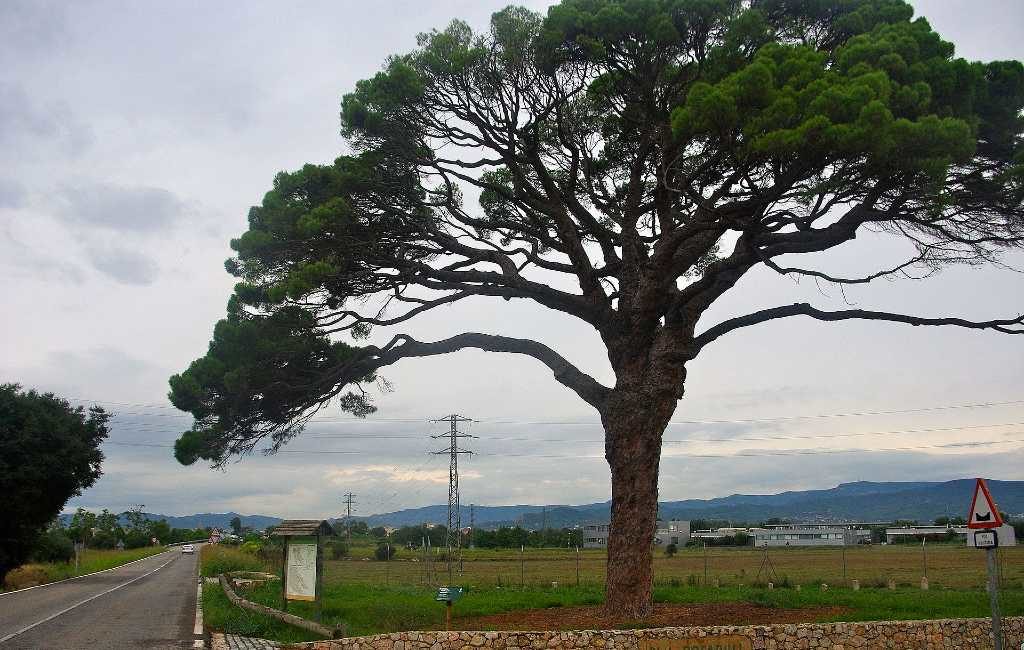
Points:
[(454, 536)]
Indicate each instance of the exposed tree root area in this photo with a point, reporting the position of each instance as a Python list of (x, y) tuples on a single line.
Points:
[(665, 615)]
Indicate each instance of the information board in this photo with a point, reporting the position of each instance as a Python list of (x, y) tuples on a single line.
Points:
[(301, 582)]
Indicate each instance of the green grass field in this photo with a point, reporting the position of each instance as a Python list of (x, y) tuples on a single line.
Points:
[(90, 561), (952, 566), (371, 597)]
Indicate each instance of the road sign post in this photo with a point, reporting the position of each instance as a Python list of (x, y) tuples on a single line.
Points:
[(984, 518), (448, 595)]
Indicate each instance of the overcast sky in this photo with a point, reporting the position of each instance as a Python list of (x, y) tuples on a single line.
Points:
[(135, 135)]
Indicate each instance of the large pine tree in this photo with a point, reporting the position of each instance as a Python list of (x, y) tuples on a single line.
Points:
[(648, 152)]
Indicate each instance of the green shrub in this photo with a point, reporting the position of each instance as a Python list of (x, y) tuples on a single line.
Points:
[(339, 550), (53, 545), (384, 552), (216, 559)]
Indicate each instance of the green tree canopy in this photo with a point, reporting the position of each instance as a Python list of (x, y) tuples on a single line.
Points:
[(625, 162), (49, 452)]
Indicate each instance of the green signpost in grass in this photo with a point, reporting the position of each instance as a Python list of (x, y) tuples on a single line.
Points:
[(448, 595)]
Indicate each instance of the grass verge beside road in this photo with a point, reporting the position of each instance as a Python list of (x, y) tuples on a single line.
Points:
[(371, 597), (90, 561), (372, 610)]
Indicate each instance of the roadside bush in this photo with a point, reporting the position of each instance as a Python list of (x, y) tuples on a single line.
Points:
[(670, 550), (215, 559), (384, 552), (53, 546), (270, 552), (136, 539), (252, 547), (25, 576)]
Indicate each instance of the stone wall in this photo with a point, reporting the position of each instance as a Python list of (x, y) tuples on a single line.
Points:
[(948, 634)]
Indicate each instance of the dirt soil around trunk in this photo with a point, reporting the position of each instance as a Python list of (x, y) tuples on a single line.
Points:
[(665, 615)]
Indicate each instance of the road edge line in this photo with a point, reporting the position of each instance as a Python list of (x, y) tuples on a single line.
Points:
[(84, 575), (89, 599), (197, 628)]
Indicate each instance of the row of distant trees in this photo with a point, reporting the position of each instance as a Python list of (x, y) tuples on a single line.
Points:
[(106, 530), (504, 537)]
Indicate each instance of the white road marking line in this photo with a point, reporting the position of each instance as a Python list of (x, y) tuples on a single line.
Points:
[(65, 611), (84, 575), (198, 627)]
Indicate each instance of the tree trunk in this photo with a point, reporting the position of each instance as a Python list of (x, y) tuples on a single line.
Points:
[(634, 422)]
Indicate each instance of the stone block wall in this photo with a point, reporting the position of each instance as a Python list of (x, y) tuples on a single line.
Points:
[(945, 634)]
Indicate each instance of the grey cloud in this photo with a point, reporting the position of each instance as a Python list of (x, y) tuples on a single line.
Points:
[(124, 265), (93, 373), (25, 125), (23, 262), (122, 209), (12, 194), (32, 26)]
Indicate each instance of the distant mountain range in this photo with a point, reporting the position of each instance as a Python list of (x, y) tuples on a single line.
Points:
[(860, 501)]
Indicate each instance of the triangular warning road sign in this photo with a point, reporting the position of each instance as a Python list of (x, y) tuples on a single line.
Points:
[(983, 513)]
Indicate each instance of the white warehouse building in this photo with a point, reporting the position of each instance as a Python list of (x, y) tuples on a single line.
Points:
[(672, 532), (809, 535)]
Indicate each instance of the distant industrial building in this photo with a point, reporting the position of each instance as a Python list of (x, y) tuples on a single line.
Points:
[(672, 532), (595, 536), (1005, 534), (810, 535), (903, 533)]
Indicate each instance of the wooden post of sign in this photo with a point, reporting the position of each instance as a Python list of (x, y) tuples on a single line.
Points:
[(993, 599), (284, 575), (448, 616), (705, 563), (577, 566), (319, 578)]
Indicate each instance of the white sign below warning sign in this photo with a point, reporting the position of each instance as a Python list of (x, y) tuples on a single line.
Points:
[(983, 513)]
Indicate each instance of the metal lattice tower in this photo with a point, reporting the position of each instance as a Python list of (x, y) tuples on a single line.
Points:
[(349, 502), (454, 535)]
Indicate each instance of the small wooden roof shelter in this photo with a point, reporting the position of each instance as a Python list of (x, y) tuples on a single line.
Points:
[(293, 527)]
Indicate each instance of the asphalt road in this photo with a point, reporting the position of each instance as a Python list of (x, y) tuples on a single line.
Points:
[(148, 604)]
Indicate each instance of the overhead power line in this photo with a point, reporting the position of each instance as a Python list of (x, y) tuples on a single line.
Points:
[(754, 454), (778, 418), (673, 441)]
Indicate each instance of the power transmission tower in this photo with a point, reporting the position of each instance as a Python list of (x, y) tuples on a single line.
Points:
[(349, 502), (454, 535)]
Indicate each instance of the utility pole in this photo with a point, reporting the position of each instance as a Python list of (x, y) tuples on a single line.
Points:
[(472, 525), (349, 502), (454, 536)]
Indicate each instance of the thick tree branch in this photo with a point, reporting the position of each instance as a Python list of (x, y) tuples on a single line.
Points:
[(404, 347), (1007, 326)]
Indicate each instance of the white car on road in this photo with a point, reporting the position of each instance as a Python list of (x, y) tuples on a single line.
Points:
[(188, 548)]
